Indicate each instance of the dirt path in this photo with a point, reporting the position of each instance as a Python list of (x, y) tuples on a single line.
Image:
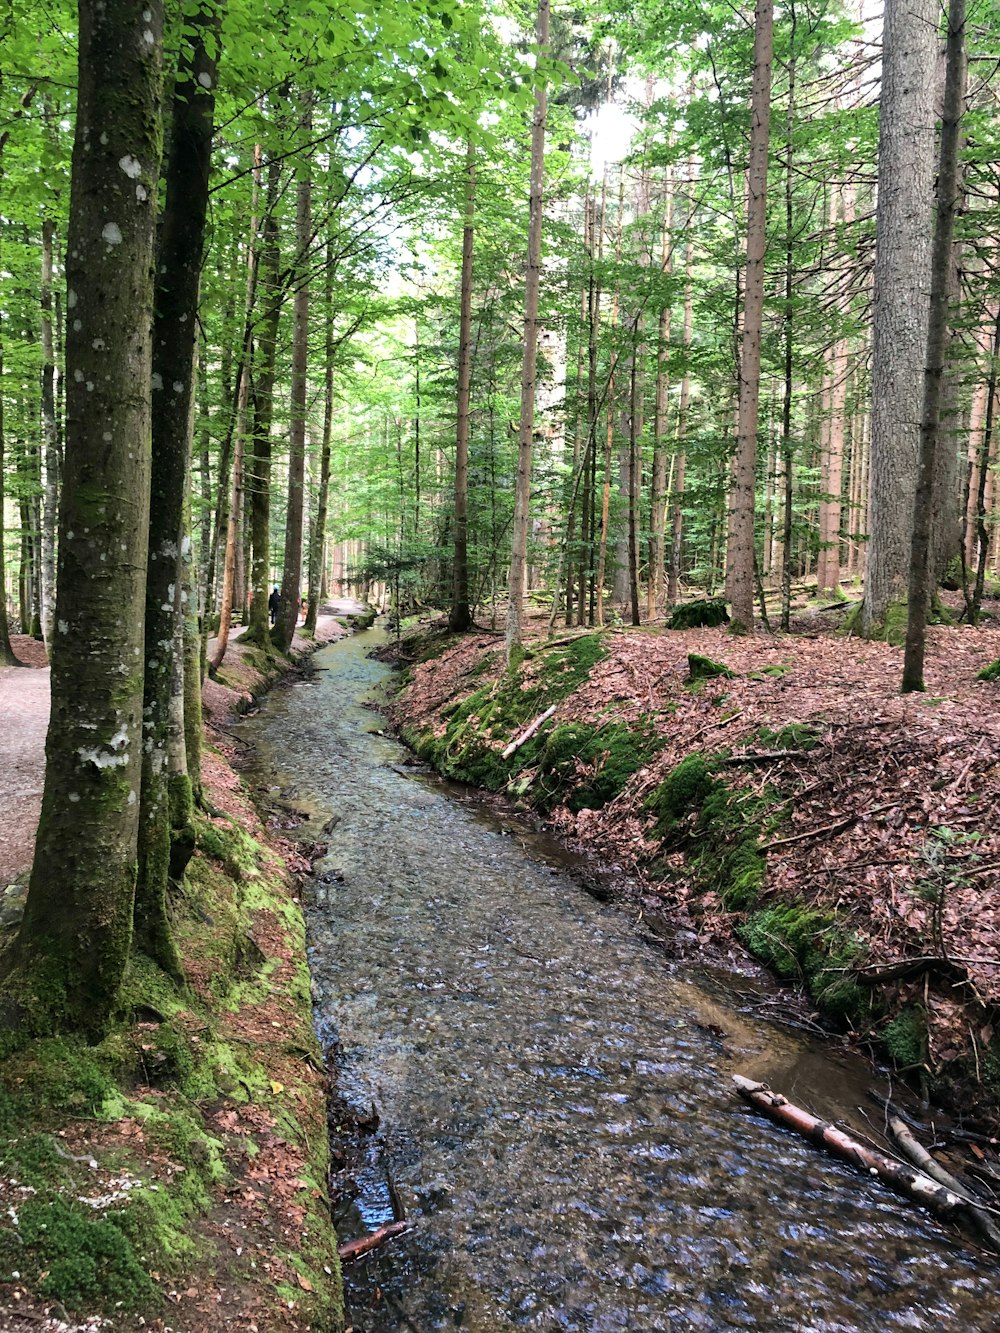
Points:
[(24, 719)]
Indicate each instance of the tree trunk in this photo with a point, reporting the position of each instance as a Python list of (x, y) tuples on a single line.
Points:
[(291, 584), (519, 550), (73, 945), (317, 536), (50, 436), (902, 284), (460, 618), (7, 657), (165, 804), (740, 546), (658, 484), (257, 478)]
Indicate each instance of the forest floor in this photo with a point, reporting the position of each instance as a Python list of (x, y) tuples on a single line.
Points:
[(797, 804), (224, 1110)]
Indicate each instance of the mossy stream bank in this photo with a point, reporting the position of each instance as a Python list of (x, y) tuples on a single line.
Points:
[(176, 1175), (697, 775)]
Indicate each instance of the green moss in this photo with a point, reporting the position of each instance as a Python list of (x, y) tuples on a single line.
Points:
[(238, 852), (683, 791), (799, 941), (795, 736), (775, 671), (703, 668), (709, 612), (905, 1037), (991, 672), (588, 766), (66, 1251)]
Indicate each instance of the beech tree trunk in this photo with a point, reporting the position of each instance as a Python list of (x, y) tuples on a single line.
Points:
[(740, 545), (166, 840), (50, 437), (73, 945), (7, 657), (901, 296), (519, 550)]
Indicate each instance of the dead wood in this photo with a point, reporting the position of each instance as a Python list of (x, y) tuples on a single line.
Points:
[(873, 974), (921, 1158), (354, 1249), (903, 1179), (837, 827), (760, 756), (528, 732)]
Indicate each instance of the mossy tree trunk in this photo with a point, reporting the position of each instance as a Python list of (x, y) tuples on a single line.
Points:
[(165, 795), (73, 945)]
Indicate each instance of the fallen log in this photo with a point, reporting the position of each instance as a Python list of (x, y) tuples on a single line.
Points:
[(527, 733), (920, 1157), (354, 1249), (903, 1179)]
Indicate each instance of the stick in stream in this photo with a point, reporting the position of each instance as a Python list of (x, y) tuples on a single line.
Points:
[(354, 1249), (904, 1179), (920, 1157), (528, 732)]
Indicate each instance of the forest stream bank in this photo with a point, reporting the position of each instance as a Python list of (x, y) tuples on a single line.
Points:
[(174, 1177), (541, 1097), (776, 794)]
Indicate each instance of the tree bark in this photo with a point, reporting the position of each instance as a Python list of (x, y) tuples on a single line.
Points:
[(50, 437), (919, 588), (73, 945), (165, 804), (317, 536), (460, 618), (519, 549), (740, 546), (291, 583), (902, 286)]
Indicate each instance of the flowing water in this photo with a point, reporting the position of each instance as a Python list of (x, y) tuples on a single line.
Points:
[(557, 1113)]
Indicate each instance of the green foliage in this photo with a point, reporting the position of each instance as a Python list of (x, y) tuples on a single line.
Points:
[(589, 766), (709, 612), (991, 672)]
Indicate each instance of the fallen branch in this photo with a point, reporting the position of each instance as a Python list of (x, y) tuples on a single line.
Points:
[(920, 1157), (760, 756), (903, 1179), (354, 1249), (838, 827), (528, 732)]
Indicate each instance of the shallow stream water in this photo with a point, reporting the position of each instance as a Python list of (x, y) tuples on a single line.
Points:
[(555, 1097)]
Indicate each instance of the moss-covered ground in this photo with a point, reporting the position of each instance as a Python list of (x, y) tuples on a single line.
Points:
[(175, 1174)]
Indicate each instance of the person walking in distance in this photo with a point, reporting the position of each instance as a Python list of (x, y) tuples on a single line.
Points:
[(273, 602)]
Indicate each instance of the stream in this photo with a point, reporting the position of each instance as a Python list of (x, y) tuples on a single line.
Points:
[(555, 1099)]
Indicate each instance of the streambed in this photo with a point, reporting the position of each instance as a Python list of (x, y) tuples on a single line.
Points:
[(555, 1098)]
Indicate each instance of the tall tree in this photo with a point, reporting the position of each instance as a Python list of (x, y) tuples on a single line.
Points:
[(919, 586), (740, 548), (288, 611), (165, 839), (902, 281), (460, 617), (526, 426), (73, 945)]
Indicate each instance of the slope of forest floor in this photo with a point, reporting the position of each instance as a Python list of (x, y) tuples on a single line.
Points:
[(175, 1176), (778, 791)]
